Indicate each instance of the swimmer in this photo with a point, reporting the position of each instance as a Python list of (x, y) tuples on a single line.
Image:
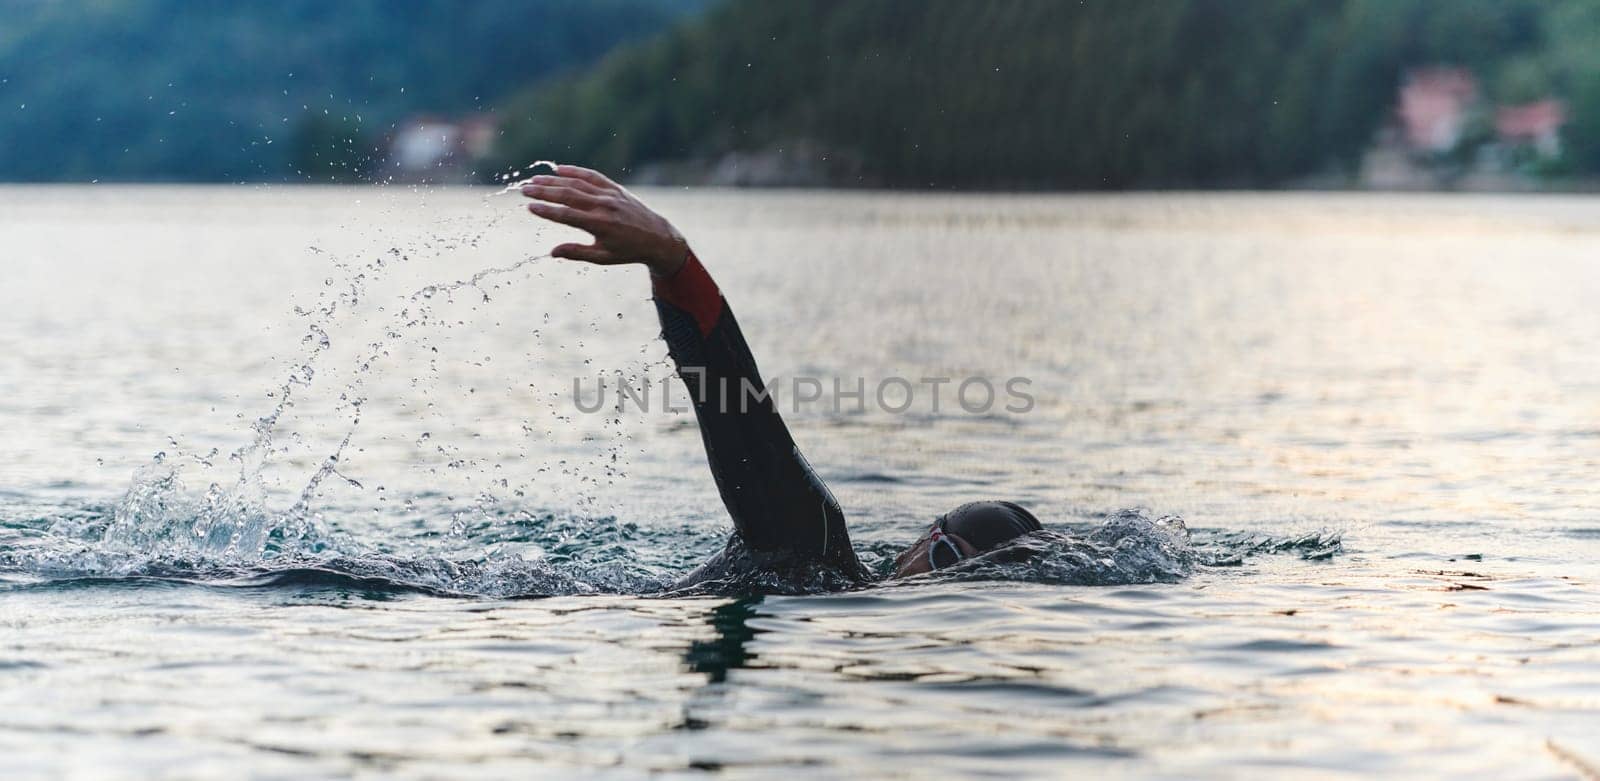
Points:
[(786, 521)]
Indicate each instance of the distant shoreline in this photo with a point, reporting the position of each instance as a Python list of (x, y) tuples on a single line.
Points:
[(1466, 186)]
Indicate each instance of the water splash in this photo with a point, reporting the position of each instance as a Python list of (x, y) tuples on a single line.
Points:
[(232, 523), (514, 180), (165, 534), (1127, 548), (161, 532), (1231, 549)]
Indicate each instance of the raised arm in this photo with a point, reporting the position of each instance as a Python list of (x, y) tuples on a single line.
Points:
[(781, 510)]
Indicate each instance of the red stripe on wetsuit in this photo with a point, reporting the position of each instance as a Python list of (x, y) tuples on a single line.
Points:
[(692, 289)]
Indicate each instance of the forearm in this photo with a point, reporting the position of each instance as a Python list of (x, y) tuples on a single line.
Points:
[(777, 502)]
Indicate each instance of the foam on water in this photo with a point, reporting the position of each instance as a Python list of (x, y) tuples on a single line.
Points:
[(162, 531), (1129, 547)]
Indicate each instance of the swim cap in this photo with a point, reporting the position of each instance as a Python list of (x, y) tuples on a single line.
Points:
[(988, 525)]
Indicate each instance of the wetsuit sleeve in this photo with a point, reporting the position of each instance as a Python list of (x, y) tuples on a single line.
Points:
[(777, 502)]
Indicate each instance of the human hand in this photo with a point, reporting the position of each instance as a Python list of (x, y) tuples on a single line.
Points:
[(624, 229)]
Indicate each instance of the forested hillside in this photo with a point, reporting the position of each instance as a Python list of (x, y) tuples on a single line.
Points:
[(901, 93), (217, 90), (1046, 93)]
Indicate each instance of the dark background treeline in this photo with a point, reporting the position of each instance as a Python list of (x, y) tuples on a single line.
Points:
[(914, 93), (1043, 93), (225, 90)]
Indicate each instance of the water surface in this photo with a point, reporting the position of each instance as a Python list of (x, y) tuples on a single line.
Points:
[(278, 493)]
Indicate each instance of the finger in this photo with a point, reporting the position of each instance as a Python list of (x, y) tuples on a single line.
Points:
[(550, 180), (588, 175), (588, 253), (566, 215), (566, 196)]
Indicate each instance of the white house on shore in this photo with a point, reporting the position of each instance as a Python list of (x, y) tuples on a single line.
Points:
[(427, 148), (1445, 133)]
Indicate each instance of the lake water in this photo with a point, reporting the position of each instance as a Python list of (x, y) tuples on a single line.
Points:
[(279, 498)]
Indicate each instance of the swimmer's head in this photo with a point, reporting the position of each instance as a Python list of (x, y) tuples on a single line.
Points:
[(972, 529)]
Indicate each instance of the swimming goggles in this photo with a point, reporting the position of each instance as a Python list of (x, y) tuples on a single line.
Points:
[(942, 547)]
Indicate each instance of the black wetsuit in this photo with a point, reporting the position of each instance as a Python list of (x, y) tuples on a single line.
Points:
[(789, 532)]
